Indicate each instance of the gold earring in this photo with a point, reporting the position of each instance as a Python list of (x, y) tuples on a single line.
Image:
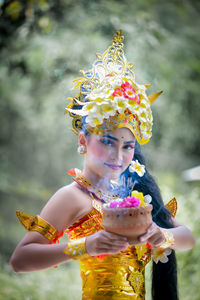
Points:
[(81, 149)]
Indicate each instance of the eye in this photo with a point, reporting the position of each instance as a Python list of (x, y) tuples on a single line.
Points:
[(106, 142), (129, 147)]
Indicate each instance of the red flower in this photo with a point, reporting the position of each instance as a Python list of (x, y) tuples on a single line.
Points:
[(118, 92), (126, 85), (137, 98), (71, 172), (127, 91)]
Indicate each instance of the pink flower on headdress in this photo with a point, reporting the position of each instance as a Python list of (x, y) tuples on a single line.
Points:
[(118, 92), (126, 85), (130, 92), (137, 98)]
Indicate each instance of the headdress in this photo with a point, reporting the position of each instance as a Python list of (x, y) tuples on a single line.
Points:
[(110, 98)]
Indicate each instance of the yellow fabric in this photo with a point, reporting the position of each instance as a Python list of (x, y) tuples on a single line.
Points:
[(118, 276), (36, 223)]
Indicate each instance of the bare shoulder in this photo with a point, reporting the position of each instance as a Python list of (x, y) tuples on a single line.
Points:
[(66, 206)]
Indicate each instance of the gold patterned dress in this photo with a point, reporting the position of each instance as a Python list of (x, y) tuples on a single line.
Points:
[(119, 276)]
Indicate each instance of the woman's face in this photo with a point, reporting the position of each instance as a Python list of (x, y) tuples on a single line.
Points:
[(110, 154)]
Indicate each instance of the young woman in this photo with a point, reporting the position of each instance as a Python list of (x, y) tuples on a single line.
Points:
[(112, 115)]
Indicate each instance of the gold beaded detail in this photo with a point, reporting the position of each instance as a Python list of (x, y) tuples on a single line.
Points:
[(169, 239), (100, 194), (76, 249)]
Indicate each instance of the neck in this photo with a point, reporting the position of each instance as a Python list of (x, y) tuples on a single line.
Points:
[(98, 181)]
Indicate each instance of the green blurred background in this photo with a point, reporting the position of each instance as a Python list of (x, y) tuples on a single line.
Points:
[(44, 44)]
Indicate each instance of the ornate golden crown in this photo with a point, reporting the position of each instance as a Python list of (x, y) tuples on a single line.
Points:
[(110, 98)]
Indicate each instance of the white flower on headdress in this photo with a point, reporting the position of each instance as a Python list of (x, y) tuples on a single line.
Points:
[(100, 94), (144, 104), (136, 109), (108, 109), (143, 126), (95, 117), (90, 107), (113, 80), (146, 134), (135, 166), (121, 104), (133, 105), (146, 126), (116, 94), (142, 88), (161, 255), (142, 116), (98, 113), (94, 120)]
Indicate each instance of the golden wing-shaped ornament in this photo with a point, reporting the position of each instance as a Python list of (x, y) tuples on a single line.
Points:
[(25, 219), (172, 207)]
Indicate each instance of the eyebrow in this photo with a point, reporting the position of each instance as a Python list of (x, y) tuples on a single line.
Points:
[(115, 139), (129, 142)]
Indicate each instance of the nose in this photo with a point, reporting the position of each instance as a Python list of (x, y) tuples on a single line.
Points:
[(116, 155)]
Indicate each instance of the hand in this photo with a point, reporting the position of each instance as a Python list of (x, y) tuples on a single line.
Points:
[(154, 236), (104, 242)]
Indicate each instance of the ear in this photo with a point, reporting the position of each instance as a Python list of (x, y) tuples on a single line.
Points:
[(82, 141)]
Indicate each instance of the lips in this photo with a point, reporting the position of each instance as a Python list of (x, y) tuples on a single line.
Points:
[(113, 166)]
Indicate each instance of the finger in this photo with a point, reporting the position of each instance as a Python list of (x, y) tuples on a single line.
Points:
[(109, 245), (150, 231), (158, 242), (115, 237), (117, 244), (111, 250), (155, 241), (146, 236), (151, 227)]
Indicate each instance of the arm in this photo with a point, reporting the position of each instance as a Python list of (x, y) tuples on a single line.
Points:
[(183, 238), (35, 252)]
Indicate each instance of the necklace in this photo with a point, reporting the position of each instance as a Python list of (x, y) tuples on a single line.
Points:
[(100, 194)]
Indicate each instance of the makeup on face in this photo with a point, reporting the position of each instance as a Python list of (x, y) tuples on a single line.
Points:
[(119, 151), (110, 154), (110, 140)]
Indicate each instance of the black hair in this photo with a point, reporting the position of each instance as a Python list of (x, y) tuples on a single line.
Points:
[(83, 128), (164, 275)]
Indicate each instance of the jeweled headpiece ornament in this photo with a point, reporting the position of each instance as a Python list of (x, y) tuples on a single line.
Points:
[(110, 98)]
